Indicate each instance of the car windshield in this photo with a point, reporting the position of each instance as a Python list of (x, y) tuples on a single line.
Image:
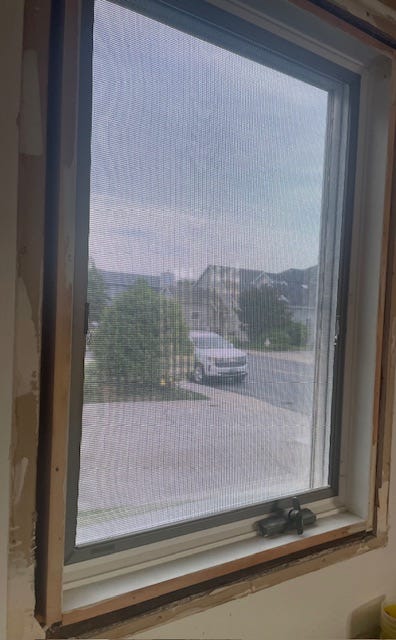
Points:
[(211, 342)]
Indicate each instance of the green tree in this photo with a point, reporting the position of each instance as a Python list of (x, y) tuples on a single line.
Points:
[(262, 313), (298, 333), (96, 294), (138, 336)]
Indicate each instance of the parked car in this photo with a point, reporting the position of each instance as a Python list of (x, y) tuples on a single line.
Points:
[(216, 358)]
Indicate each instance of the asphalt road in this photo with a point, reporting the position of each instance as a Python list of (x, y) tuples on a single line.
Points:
[(284, 383)]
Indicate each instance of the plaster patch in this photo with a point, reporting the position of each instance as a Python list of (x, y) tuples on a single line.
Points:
[(27, 346), (19, 479), (22, 624)]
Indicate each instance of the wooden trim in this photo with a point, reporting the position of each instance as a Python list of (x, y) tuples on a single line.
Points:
[(154, 591), (344, 25), (238, 589), (385, 349), (373, 17), (56, 430), (385, 387), (238, 585)]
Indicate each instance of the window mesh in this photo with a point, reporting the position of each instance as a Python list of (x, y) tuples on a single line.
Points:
[(201, 391)]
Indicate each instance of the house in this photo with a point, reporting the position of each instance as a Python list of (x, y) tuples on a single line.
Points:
[(116, 282), (211, 303), (297, 288), (224, 285), (206, 308)]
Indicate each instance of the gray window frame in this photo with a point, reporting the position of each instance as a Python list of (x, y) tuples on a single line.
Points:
[(223, 29)]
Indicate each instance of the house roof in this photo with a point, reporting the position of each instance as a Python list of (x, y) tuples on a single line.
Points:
[(125, 280), (297, 286), (247, 276)]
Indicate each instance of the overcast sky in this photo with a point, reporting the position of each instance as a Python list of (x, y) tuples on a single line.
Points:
[(199, 156)]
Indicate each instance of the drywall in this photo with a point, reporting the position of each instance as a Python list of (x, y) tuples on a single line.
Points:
[(20, 285), (11, 22)]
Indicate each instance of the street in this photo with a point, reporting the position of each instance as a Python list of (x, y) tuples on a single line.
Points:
[(145, 464), (282, 382)]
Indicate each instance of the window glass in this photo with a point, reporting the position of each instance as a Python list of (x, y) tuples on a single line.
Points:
[(201, 385)]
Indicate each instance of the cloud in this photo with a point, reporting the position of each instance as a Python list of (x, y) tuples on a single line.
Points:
[(199, 156), (132, 239)]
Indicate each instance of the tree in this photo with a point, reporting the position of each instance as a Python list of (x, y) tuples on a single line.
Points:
[(138, 336), (298, 333), (96, 294), (262, 313), (268, 320)]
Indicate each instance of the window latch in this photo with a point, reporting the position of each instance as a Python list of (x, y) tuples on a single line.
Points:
[(285, 521)]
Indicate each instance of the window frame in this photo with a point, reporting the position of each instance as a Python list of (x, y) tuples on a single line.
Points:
[(343, 88), (65, 232)]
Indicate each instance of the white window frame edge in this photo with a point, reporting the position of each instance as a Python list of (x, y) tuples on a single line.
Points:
[(375, 83), (357, 440)]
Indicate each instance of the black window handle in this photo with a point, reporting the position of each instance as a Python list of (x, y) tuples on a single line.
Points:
[(295, 517), (285, 521)]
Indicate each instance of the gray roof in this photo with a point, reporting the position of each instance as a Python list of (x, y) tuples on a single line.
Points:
[(125, 280), (298, 286), (247, 276)]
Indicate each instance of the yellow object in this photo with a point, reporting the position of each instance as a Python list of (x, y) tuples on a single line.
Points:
[(388, 621)]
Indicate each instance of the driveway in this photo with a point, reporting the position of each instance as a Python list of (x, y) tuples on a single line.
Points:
[(145, 464)]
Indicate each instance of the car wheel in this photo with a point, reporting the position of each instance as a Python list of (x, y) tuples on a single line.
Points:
[(198, 374)]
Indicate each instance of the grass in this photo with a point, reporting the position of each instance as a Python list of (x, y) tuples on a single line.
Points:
[(97, 391), (258, 345)]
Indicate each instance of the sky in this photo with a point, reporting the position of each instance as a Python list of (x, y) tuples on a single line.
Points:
[(198, 155)]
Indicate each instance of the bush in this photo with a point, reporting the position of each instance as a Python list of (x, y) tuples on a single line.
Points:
[(262, 312), (138, 336), (298, 333), (293, 335), (96, 294)]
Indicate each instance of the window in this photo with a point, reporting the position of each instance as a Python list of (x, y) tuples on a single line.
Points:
[(226, 286), (215, 158)]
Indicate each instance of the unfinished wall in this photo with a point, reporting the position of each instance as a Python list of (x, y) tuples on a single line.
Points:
[(317, 605), (11, 20), (21, 238), (379, 13)]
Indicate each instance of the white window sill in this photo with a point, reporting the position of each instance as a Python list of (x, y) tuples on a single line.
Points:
[(82, 593)]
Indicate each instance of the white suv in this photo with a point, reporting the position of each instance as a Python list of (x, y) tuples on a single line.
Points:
[(215, 357)]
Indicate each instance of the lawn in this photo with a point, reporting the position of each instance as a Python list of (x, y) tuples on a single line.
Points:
[(97, 391)]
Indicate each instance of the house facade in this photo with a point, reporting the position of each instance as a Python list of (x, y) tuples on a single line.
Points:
[(211, 303)]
